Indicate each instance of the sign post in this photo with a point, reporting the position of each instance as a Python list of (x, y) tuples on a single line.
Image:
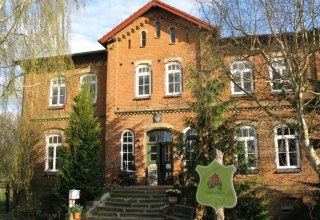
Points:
[(216, 186)]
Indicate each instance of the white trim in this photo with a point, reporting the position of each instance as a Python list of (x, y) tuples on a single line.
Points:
[(174, 72), (184, 140), (57, 83), (245, 139), (281, 68), (91, 83), (247, 69), (54, 156), (128, 143), (287, 152), (145, 74)]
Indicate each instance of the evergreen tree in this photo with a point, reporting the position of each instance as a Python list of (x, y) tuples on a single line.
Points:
[(79, 159)]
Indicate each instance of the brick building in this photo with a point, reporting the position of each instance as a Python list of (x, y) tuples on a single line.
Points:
[(141, 98)]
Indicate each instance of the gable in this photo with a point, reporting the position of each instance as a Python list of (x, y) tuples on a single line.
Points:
[(149, 6)]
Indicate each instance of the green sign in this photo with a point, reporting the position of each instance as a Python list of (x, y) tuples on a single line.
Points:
[(216, 186)]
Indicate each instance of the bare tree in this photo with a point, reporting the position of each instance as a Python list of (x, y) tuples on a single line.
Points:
[(280, 40), (29, 30)]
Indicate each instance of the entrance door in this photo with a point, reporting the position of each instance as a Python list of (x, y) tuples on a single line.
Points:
[(160, 157), (165, 164)]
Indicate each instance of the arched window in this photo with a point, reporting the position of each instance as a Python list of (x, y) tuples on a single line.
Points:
[(157, 29), (190, 137), (53, 142), (286, 141), (57, 91), (172, 31), (241, 73), (143, 38), (246, 137), (90, 80), (127, 150)]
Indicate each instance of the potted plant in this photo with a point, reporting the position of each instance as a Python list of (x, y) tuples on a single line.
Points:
[(76, 211), (173, 195)]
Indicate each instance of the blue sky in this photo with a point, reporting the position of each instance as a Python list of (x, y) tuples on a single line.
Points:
[(101, 16)]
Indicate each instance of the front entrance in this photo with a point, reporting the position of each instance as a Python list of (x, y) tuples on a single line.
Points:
[(159, 157)]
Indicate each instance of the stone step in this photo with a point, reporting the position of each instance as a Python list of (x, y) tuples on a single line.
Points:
[(138, 191), (145, 196), (134, 200), (154, 204), (126, 218), (108, 208), (117, 215)]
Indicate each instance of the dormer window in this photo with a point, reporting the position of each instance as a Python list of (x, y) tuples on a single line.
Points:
[(172, 31), (143, 38), (157, 29)]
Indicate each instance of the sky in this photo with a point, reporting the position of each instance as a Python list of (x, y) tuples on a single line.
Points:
[(101, 16)]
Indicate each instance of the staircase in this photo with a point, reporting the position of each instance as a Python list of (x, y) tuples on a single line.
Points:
[(136, 202)]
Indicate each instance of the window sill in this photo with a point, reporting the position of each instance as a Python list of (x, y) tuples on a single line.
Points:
[(288, 170), (142, 98), (172, 43), (241, 96), (172, 96), (51, 173), (56, 107), (253, 171)]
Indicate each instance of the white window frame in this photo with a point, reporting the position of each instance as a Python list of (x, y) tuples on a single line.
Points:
[(287, 152), (245, 139), (93, 81), (57, 83), (174, 72), (173, 35), (143, 74), (280, 69), (123, 142), (247, 69), (55, 146), (193, 132)]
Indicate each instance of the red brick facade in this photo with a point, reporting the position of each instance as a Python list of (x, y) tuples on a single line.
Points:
[(121, 109)]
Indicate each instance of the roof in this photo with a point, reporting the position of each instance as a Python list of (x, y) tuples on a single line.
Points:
[(147, 7)]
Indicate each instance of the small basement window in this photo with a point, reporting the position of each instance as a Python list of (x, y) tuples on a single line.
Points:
[(287, 205)]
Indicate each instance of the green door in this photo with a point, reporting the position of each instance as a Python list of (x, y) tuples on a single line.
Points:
[(159, 154)]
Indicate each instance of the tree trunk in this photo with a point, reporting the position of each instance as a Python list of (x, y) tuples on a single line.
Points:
[(219, 215)]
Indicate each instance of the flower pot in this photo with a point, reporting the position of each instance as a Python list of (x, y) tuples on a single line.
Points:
[(172, 199), (76, 215)]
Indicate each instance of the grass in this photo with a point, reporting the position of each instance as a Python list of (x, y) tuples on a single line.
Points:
[(2, 203)]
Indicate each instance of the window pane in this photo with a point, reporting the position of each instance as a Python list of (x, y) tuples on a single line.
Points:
[(153, 156), (293, 159), (125, 148), (146, 89), (251, 147), (153, 149), (282, 159), (177, 77), (292, 145), (281, 146), (171, 88)]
